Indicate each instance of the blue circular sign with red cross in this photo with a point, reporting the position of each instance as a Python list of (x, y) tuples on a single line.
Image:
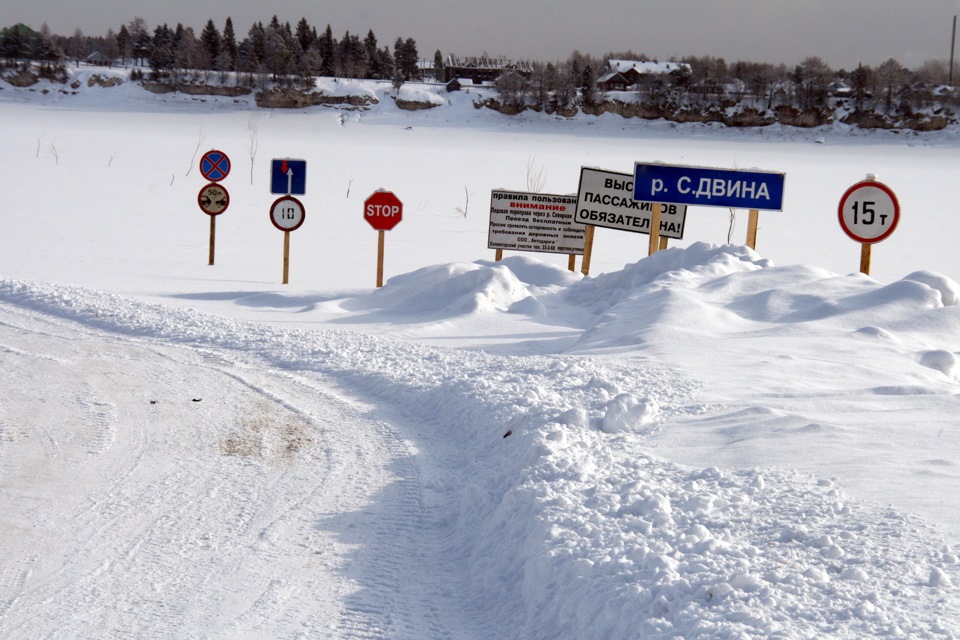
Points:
[(214, 165)]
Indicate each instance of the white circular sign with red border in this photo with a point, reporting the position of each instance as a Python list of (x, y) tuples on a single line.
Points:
[(287, 213), (869, 212), (213, 199)]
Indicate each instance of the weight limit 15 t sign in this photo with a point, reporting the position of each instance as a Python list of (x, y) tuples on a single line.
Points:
[(869, 212)]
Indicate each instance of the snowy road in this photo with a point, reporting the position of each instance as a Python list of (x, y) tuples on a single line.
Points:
[(171, 473), (706, 443), (213, 493)]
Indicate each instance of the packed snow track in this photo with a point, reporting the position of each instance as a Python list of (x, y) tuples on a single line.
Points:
[(211, 493)]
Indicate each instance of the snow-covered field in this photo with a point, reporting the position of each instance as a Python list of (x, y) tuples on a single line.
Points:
[(710, 442)]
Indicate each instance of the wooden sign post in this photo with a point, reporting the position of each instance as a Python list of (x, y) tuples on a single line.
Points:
[(380, 244), (286, 257), (213, 239), (587, 250), (655, 216), (287, 214), (383, 211), (865, 252), (752, 224), (213, 198)]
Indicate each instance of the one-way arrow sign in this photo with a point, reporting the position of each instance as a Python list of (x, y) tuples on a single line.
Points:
[(288, 176)]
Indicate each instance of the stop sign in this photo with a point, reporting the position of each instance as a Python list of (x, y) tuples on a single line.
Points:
[(383, 210)]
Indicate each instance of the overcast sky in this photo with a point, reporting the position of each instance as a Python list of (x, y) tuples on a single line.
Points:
[(842, 32)]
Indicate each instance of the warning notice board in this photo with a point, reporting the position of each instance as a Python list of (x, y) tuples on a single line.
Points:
[(605, 199), (534, 222)]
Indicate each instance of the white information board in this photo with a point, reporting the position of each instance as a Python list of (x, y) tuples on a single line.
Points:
[(534, 222)]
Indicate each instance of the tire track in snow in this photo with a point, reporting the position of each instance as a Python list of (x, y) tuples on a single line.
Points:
[(166, 504), (13, 578), (394, 563), (159, 520), (97, 429), (382, 609)]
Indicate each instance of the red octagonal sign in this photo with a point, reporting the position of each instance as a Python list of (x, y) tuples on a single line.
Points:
[(383, 210)]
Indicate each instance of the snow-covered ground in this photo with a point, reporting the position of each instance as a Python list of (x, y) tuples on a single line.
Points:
[(710, 442)]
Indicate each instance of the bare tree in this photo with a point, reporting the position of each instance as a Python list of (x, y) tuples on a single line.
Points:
[(535, 176), (466, 203), (252, 143), (110, 47), (815, 82), (77, 46), (890, 75), (200, 138)]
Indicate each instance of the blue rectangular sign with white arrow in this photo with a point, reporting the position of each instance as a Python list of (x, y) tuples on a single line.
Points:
[(288, 177)]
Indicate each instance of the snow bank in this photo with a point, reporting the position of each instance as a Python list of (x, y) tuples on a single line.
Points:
[(421, 93), (445, 291), (568, 526)]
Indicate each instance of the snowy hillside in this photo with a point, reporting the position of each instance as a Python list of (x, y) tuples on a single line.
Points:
[(710, 442)]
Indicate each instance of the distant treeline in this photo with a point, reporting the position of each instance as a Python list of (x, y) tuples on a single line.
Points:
[(275, 51), (278, 54)]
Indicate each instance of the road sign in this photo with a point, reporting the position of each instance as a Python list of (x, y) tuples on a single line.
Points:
[(213, 199), (383, 210), (738, 189), (869, 212), (605, 199), (214, 165), (288, 176), (534, 222), (287, 213)]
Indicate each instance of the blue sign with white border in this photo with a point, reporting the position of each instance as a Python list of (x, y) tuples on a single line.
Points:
[(738, 189), (288, 176)]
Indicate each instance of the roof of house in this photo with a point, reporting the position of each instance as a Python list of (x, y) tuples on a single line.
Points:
[(613, 75), (646, 66)]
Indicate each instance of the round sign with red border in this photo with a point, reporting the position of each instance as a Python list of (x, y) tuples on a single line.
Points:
[(214, 165), (287, 213), (383, 210), (213, 199), (869, 212)]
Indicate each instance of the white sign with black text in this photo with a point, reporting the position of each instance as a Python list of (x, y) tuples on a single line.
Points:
[(534, 222), (605, 199)]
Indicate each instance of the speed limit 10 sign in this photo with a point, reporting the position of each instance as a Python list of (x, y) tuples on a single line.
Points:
[(869, 212), (287, 213)]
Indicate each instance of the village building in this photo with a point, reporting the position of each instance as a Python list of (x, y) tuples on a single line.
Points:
[(621, 75), (97, 58), (481, 70)]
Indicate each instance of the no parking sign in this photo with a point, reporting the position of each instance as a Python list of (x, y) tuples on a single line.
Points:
[(213, 198), (214, 165)]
